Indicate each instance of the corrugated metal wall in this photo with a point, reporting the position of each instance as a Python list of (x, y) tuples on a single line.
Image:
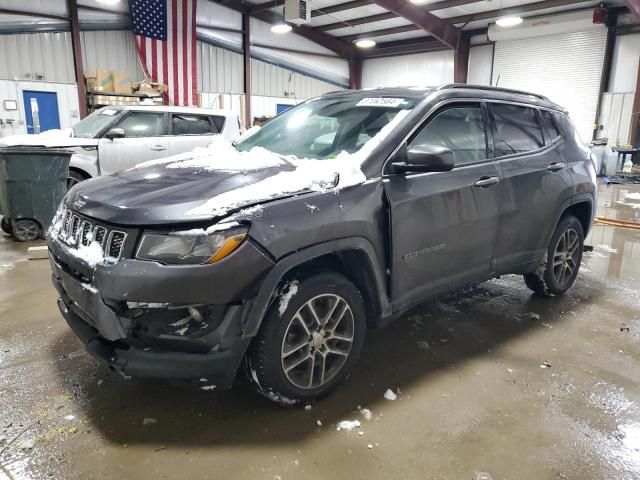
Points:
[(37, 56), (420, 69), (273, 81), (219, 70), (110, 50)]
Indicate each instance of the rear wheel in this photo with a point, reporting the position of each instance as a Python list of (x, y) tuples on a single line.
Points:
[(562, 263), (308, 346), (26, 230), (5, 225)]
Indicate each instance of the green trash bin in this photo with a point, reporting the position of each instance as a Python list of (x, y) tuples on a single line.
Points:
[(33, 181)]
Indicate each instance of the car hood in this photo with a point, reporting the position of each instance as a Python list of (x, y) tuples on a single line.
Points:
[(158, 195)]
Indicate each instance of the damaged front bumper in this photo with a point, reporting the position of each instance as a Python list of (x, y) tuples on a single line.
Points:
[(151, 320)]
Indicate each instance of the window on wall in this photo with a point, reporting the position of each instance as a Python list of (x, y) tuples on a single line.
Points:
[(550, 125), (517, 129), (460, 129), (143, 124)]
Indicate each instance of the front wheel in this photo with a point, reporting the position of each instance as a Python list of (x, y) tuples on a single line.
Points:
[(309, 340), (562, 262), (26, 230)]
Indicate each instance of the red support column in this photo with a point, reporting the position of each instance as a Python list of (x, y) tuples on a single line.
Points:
[(461, 60), (77, 56), (246, 47), (355, 73)]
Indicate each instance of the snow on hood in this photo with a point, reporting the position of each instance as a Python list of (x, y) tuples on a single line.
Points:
[(309, 174), (220, 155), (50, 138)]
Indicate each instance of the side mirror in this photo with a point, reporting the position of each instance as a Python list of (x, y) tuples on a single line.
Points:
[(114, 133), (424, 158)]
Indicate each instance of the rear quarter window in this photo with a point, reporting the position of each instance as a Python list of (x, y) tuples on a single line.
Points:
[(550, 125), (517, 129), (188, 124)]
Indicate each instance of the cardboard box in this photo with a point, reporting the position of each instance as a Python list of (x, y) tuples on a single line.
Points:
[(104, 81), (121, 82)]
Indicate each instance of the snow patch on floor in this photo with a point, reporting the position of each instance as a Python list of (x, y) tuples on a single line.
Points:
[(605, 248), (390, 395), (348, 425)]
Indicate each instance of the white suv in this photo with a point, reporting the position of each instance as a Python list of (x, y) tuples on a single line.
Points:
[(119, 137)]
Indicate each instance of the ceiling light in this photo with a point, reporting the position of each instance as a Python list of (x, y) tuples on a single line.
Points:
[(365, 43), (281, 28), (509, 21)]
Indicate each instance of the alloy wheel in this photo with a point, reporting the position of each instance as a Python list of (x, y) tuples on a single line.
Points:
[(566, 256), (317, 341)]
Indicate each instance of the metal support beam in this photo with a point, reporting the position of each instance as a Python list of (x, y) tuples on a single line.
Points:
[(443, 31), (246, 51), (355, 73), (24, 13), (77, 56), (405, 47), (635, 113), (634, 7), (461, 60)]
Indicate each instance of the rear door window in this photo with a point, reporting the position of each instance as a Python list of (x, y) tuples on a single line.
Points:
[(517, 129), (458, 128), (187, 124), (550, 125), (143, 124)]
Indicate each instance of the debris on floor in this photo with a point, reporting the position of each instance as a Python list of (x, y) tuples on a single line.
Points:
[(545, 365), (38, 253), (366, 413), (149, 421), (348, 425), (390, 395)]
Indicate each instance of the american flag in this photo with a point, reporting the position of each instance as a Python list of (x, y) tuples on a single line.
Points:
[(165, 36)]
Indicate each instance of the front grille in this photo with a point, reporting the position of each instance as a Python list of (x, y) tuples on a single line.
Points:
[(75, 232)]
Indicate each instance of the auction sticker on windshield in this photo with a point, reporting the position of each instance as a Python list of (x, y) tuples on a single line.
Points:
[(380, 102)]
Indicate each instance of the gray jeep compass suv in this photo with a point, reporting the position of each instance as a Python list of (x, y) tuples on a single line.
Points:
[(338, 215)]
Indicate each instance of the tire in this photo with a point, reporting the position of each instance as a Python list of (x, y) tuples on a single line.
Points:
[(75, 177), (26, 230), (284, 341), (562, 261), (5, 225)]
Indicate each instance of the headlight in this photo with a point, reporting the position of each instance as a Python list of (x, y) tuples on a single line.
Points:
[(190, 248)]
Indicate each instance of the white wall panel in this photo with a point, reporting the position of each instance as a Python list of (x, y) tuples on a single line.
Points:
[(110, 50), (12, 90), (420, 69), (565, 67), (480, 65), (219, 70), (273, 81), (37, 56), (624, 66)]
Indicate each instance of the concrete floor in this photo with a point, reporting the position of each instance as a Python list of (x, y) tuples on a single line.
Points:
[(474, 401)]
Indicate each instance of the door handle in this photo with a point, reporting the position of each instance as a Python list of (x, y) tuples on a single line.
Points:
[(158, 148), (554, 167), (485, 182)]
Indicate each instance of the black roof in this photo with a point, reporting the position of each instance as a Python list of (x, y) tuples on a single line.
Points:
[(457, 89)]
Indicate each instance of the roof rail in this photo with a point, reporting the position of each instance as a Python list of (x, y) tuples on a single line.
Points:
[(495, 89)]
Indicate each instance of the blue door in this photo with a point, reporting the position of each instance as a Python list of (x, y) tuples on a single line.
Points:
[(41, 110)]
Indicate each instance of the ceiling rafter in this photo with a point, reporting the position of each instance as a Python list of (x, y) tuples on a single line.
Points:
[(344, 49), (460, 19), (634, 7), (439, 28)]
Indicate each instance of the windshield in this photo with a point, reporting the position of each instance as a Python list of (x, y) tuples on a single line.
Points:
[(325, 127), (92, 125)]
